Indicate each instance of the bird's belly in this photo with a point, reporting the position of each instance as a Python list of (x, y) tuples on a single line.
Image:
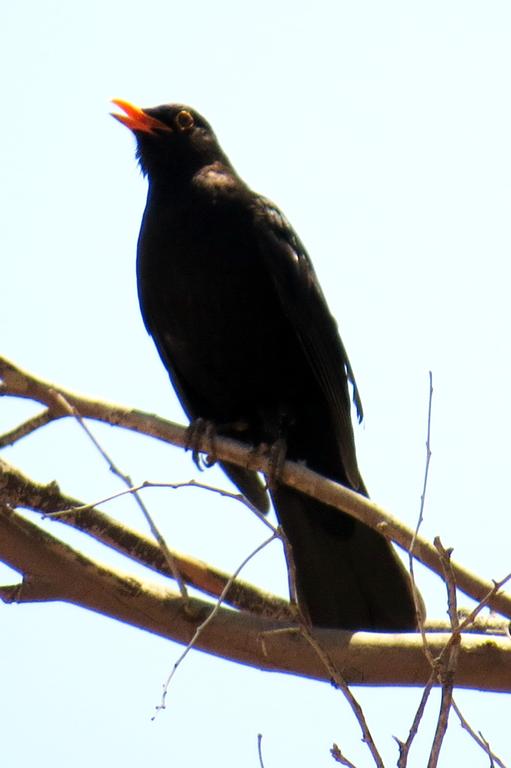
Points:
[(231, 349)]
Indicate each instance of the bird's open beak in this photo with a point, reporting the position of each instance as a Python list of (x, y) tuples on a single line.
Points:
[(136, 119)]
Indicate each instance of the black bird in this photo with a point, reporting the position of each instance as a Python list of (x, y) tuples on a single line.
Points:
[(230, 297)]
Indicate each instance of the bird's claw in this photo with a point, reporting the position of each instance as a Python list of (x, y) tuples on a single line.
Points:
[(276, 454), (198, 430)]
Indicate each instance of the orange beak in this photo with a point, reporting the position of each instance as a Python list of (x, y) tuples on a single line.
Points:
[(136, 119)]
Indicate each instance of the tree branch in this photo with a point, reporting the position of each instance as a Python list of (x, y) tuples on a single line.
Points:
[(53, 570), (20, 384), (20, 491)]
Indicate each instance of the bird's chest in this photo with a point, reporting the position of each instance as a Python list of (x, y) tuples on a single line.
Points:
[(206, 295)]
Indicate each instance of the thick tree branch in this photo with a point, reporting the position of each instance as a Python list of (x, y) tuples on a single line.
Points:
[(18, 383), (20, 491), (52, 570)]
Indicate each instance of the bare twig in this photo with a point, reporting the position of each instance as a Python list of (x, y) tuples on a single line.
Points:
[(340, 758), (404, 747), (419, 610), (207, 621), (447, 663), (155, 484), (126, 479), (339, 681), (331, 669), (450, 583), (173, 487), (260, 749), (478, 738), (468, 620), (472, 622), (471, 618), (452, 651), (428, 456), (298, 609)]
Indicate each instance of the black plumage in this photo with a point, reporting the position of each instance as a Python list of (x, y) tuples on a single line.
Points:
[(230, 297)]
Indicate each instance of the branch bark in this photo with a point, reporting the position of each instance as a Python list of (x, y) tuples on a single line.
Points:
[(18, 490), (53, 571)]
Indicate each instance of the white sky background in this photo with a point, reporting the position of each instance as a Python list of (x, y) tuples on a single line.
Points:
[(383, 130)]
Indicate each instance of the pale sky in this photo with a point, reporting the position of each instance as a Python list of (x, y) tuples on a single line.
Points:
[(383, 130)]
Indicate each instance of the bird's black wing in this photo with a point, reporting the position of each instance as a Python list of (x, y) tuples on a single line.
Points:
[(304, 303)]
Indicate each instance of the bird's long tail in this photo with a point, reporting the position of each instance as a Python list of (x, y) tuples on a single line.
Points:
[(347, 574)]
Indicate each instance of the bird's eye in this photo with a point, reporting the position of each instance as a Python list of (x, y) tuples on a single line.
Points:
[(184, 120)]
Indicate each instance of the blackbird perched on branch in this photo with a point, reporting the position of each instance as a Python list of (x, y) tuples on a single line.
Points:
[(230, 297)]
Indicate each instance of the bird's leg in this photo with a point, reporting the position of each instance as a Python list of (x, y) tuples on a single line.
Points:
[(276, 458), (203, 428), (274, 426), (210, 458), (197, 430), (227, 428), (276, 454), (277, 451)]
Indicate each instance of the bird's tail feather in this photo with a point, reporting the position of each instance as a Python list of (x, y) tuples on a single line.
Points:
[(347, 574), (249, 484)]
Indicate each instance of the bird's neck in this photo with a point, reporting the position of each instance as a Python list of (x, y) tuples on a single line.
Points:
[(213, 182)]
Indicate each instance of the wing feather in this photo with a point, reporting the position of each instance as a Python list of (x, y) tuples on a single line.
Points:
[(304, 303)]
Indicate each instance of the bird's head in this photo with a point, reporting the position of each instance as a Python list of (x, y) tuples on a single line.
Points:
[(173, 140)]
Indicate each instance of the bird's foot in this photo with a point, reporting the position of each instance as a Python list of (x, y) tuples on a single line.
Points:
[(198, 430), (276, 454)]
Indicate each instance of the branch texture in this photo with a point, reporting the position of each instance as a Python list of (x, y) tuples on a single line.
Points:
[(53, 571)]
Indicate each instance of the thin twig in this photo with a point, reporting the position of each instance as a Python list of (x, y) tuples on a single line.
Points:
[(453, 648), (488, 624), (404, 747), (439, 663), (339, 682), (155, 484), (478, 738), (126, 479), (446, 665), (487, 745), (202, 626), (260, 749), (472, 616), (335, 674), (416, 596), (340, 758), (135, 489), (333, 671), (298, 609), (428, 457)]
